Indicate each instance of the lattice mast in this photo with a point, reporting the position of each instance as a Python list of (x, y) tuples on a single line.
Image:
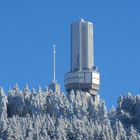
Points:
[(54, 86), (54, 63)]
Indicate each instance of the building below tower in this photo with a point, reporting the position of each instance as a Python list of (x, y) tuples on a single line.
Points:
[(55, 87)]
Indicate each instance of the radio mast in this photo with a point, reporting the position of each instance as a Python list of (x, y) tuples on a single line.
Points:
[(54, 63), (54, 86)]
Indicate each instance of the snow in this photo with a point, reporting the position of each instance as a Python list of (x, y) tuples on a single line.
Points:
[(44, 115)]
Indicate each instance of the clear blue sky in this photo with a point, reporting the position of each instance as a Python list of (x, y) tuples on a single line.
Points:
[(29, 28)]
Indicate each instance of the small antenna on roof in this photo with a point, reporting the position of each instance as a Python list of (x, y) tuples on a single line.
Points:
[(82, 20), (54, 63)]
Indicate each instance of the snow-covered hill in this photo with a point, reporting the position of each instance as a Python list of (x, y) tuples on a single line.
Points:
[(44, 115)]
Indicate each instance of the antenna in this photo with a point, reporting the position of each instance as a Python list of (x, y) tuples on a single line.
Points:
[(54, 63), (54, 86)]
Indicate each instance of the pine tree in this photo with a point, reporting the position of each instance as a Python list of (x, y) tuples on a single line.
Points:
[(3, 114)]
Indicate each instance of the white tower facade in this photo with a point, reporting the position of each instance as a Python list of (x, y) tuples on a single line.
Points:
[(81, 46), (83, 74)]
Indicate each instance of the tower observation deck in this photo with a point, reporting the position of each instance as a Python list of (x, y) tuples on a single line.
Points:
[(83, 74)]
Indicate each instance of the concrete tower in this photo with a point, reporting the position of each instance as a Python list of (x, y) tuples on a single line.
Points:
[(81, 46), (83, 74)]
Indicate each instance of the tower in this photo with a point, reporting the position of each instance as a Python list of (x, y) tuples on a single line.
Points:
[(54, 86), (83, 74)]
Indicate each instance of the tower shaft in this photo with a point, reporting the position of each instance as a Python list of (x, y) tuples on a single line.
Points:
[(82, 46)]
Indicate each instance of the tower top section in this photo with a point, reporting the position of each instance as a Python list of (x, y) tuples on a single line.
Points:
[(82, 45), (82, 20)]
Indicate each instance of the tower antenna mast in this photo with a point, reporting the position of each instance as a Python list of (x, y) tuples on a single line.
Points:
[(54, 63), (54, 86)]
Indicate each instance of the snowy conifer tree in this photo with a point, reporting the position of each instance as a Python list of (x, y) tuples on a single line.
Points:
[(3, 113)]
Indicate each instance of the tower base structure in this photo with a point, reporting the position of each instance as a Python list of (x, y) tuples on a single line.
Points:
[(85, 80), (55, 87)]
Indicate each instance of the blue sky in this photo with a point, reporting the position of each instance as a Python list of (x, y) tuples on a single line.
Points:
[(29, 28)]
